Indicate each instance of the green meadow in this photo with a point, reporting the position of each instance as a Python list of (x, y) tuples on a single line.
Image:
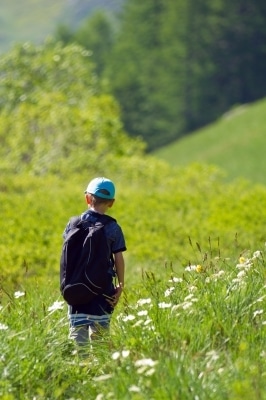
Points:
[(191, 322), (236, 143)]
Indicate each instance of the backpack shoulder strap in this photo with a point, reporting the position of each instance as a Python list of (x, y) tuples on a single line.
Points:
[(106, 219), (74, 221)]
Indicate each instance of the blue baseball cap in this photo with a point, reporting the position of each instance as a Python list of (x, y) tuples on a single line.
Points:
[(101, 187)]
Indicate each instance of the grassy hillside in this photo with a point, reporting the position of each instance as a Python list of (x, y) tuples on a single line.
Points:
[(30, 20), (236, 143)]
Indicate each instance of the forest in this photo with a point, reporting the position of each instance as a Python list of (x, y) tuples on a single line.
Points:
[(175, 66)]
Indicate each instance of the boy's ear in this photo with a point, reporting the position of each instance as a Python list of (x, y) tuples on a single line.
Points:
[(88, 199), (111, 203)]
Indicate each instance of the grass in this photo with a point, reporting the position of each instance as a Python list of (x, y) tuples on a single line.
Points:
[(199, 334), (236, 143)]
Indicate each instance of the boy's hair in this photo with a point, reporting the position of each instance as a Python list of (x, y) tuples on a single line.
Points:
[(96, 200)]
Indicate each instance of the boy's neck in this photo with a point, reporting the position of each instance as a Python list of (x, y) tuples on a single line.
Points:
[(101, 209)]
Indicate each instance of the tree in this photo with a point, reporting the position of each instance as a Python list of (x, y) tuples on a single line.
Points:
[(53, 119), (96, 34)]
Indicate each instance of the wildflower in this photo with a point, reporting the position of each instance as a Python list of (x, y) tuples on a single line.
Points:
[(125, 353), (134, 388), (142, 302), (164, 305), (57, 305), (187, 305), (257, 254), (146, 366), (241, 274), (150, 372), (242, 260), (145, 362), (176, 280), (100, 396), (3, 327), (148, 321), (257, 312), (199, 268), (128, 318), (190, 268), (169, 291), (189, 297), (19, 294), (115, 355), (138, 323), (102, 377), (142, 313), (192, 288)]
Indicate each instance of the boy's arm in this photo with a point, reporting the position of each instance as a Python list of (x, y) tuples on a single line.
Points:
[(120, 270)]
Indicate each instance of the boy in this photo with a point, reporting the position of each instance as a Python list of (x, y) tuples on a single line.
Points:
[(88, 320)]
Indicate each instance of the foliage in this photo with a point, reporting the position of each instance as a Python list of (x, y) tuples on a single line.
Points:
[(28, 71), (96, 35), (161, 211), (53, 117), (235, 143), (202, 333)]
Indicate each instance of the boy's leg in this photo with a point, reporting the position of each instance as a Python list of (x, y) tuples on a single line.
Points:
[(80, 334), (98, 331)]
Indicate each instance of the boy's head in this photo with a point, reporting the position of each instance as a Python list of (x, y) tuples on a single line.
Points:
[(101, 187), (102, 190)]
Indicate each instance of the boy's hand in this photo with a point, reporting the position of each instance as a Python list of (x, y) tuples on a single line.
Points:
[(115, 298)]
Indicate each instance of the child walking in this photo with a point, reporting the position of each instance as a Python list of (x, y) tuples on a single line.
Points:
[(88, 321)]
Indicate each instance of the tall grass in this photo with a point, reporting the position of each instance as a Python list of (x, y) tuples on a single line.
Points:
[(199, 334)]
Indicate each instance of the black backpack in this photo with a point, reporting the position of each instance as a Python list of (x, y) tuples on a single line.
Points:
[(85, 260)]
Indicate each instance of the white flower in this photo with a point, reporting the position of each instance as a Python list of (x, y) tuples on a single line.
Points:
[(19, 294), (148, 321), (143, 312), (134, 388), (241, 274), (187, 305), (169, 291), (115, 355), (257, 254), (190, 268), (150, 372), (3, 327), (189, 297), (58, 305), (176, 280), (138, 323), (192, 288), (102, 377), (125, 353), (257, 312), (141, 302), (128, 318), (164, 305), (145, 362)]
